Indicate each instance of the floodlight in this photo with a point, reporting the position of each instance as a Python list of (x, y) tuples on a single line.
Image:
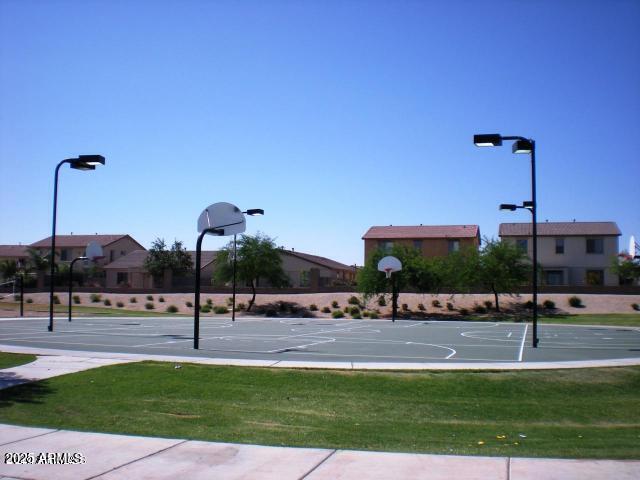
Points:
[(488, 140), (522, 146), (507, 206), (91, 159), (527, 204), (254, 212)]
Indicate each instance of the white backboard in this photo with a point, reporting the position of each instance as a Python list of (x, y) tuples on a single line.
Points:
[(223, 215), (389, 264), (632, 247), (94, 251)]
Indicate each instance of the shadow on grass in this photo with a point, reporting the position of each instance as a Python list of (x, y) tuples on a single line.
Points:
[(13, 391)]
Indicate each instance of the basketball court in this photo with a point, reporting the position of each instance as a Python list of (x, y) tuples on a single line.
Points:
[(327, 340)]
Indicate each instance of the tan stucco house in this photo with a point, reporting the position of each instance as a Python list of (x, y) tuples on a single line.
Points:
[(570, 253), (69, 247)]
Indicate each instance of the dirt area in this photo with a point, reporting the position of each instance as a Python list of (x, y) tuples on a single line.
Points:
[(591, 303)]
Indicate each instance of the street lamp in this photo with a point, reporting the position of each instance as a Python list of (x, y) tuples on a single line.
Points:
[(82, 162), (521, 145), (252, 212)]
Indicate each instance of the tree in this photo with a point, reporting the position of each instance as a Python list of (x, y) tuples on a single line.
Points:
[(503, 266), (257, 258), (38, 262), (8, 269), (177, 259), (627, 268)]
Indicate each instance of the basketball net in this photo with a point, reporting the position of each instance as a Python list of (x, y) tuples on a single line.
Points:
[(388, 271)]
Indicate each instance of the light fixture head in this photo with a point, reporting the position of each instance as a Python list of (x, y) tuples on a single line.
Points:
[(254, 212), (78, 165), (488, 140), (528, 204), (522, 146), (508, 206), (92, 159)]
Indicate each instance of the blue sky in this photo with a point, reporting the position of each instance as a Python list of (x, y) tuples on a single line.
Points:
[(333, 116)]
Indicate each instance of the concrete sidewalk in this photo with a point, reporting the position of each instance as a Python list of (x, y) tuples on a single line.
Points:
[(111, 457)]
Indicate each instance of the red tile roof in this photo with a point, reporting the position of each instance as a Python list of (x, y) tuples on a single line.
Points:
[(554, 229), (67, 241), (322, 261), (16, 251), (422, 231)]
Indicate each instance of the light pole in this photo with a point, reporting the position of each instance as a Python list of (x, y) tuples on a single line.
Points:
[(71, 280), (82, 162), (252, 212), (522, 145)]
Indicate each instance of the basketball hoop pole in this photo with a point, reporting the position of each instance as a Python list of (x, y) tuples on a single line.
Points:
[(71, 280), (394, 297)]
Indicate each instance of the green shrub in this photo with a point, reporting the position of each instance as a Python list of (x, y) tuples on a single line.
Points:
[(575, 302), (464, 312), (421, 307), (189, 304), (356, 316), (76, 299), (479, 309), (119, 304), (346, 309), (133, 300), (29, 300), (107, 302), (355, 311), (172, 309), (436, 303), (549, 304), (205, 308), (220, 309), (353, 300), (271, 312), (313, 307), (95, 298), (337, 314), (488, 304), (209, 302), (16, 297), (405, 307), (366, 314), (450, 306), (326, 310), (528, 305), (635, 306), (241, 307), (373, 315), (335, 304), (382, 302), (149, 306), (161, 299), (150, 298), (56, 300)]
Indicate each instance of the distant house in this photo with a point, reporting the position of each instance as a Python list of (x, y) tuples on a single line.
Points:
[(69, 247), (430, 240), (570, 253), (306, 270), (129, 272)]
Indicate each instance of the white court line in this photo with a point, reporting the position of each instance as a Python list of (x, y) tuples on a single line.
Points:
[(522, 344)]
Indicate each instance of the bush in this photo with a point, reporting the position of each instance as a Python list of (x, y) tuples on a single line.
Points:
[(326, 310), (450, 306), (16, 297), (241, 306), (271, 312), (133, 300), (365, 313), (220, 309), (488, 304), (549, 304), (405, 307), (479, 309), (436, 303), (421, 307), (119, 304), (335, 304), (381, 301), (149, 306), (313, 307), (356, 316), (373, 315), (56, 300), (635, 306), (464, 312), (337, 314), (189, 304), (150, 298), (575, 302), (95, 298), (107, 302), (205, 308), (230, 301), (76, 299), (353, 300), (346, 309), (161, 299), (29, 300), (209, 302), (172, 309), (355, 311), (528, 304)]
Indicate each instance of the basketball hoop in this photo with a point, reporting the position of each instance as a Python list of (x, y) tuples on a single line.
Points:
[(388, 271)]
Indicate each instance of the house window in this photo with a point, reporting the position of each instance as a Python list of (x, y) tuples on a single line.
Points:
[(385, 245), (417, 244), (304, 278), (64, 254), (554, 277), (522, 244), (111, 255), (122, 253), (453, 246), (122, 278), (595, 277), (559, 246), (595, 245)]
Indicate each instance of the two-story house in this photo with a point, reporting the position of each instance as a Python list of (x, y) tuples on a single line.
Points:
[(570, 253), (430, 240), (69, 247)]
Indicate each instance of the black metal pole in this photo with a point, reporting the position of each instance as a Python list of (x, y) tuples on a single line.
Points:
[(394, 298), (71, 281), (196, 313), (534, 226), (22, 295), (233, 306), (53, 244)]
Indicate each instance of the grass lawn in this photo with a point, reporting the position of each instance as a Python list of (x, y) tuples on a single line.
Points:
[(615, 319), (81, 310), (585, 413), (8, 360)]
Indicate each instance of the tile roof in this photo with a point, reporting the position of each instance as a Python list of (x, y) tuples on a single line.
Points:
[(322, 261), (553, 229), (422, 231), (79, 240), (136, 259), (13, 251)]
